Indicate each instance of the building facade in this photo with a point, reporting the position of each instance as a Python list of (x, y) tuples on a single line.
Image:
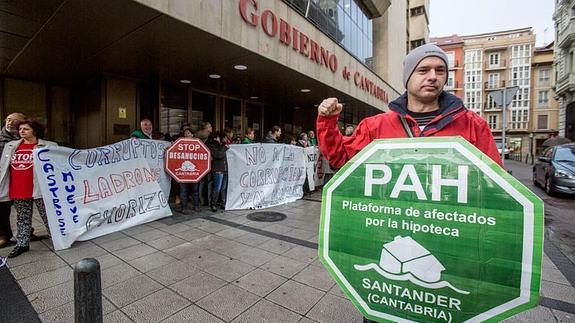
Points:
[(499, 60), (453, 47), (418, 19), (565, 65), (545, 108), (90, 73)]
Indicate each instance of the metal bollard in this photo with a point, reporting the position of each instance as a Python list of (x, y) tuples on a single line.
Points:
[(87, 291)]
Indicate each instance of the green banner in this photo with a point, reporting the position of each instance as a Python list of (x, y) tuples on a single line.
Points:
[(431, 230)]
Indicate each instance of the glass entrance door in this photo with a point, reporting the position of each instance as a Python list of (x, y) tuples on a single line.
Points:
[(233, 115)]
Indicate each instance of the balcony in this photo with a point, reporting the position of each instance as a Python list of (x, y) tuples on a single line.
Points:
[(565, 84), (567, 34), (487, 108), (454, 86), (493, 67), (454, 65), (490, 86)]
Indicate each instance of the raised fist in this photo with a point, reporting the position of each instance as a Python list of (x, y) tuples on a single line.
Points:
[(329, 107)]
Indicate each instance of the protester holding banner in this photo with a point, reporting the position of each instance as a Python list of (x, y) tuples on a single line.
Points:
[(303, 140), (219, 171), (9, 132), (273, 136), (229, 137), (424, 110), (206, 183), (18, 181), (146, 130), (186, 188)]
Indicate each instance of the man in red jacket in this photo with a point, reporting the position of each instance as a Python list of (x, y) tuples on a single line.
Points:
[(423, 110)]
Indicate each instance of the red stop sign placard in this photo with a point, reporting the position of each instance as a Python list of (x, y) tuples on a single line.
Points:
[(188, 160)]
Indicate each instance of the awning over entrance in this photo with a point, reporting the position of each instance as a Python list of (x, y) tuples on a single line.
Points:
[(71, 41)]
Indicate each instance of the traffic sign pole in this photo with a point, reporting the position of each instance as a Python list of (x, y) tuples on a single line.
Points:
[(503, 98)]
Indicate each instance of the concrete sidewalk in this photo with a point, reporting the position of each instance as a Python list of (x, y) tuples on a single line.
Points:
[(216, 267)]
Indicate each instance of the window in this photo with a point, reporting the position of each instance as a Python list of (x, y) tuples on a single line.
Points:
[(543, 98), (473, 100), (542, 121), (473, 59), (473, 80), (521, 99), (492, 121), (450, 59), (494, 59), (343, 21), (519, 119), (491, 103), (173, 109), (544, 75), (417, 11), (493, 80), (450, 81), (416, 43)]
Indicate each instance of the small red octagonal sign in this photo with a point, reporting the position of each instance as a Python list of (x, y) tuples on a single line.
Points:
[(188, 160)]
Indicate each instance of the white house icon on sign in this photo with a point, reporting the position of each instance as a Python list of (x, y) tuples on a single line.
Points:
[(404, 255)]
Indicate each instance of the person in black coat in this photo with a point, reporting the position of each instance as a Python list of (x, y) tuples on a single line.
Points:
[(219, 170)]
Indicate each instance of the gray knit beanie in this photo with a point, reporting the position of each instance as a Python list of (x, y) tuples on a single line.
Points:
[(417, 55)]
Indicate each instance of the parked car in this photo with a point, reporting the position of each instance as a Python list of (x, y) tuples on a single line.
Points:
[(499, 146), (555, 169)]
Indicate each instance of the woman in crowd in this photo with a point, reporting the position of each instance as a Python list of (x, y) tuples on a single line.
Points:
[(18, 181), (312, 139), (229, 137), (303, 140), (250, 136), (219, 170), (185, 188)]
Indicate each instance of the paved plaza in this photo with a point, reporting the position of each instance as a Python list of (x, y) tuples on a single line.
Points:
[(223, 267)]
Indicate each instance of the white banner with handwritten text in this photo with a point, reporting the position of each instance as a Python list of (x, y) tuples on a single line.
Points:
[(264, 175), (92, 192)]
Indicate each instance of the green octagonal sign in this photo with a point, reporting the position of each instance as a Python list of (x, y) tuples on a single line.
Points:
[(431, 230)]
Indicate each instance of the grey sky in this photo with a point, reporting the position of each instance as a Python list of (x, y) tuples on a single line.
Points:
[(468, 17)]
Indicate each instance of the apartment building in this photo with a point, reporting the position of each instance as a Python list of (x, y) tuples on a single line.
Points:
[(565, 65), (418, 20), (404, 22), (492, 62), (453, 47), (545, 108)]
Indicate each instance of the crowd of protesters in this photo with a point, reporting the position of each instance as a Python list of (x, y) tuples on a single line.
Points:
[(20, 135), (211, 190)]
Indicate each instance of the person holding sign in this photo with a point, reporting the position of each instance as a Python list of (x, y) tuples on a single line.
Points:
[(185, 188), (423, 110), (9, 132), (219, 171), (18, 181), (146, 130)]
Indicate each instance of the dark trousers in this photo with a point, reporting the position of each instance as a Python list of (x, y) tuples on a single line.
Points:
[(5, 229), (185, 189)]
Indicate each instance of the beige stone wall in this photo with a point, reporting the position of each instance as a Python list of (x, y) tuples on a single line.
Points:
[(389, 44), (419, 25), (222, 19)]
